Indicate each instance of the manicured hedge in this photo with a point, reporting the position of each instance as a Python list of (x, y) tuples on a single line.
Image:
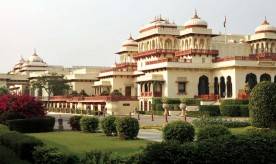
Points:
[(178, 131), (230, 110), (7, 156), (10, 115), (226, 149), (32, 125), (205, 121), (244, 110), (234, 102), (21, 144), (127, 127), (173, 103), (211, 110), (212, 131), (51, 155)]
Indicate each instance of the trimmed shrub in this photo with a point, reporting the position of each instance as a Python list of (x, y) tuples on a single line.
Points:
[(51, 155), (7, 156), (74, 122), (89, 124), (191, 101), (32, 125), (166, 153), (226, 149), (109, 126), (10, 115), (3, 128), (178, 131), (244, 110), (212, 131), (100, 157), (211, 110), (230, 110), (127, 127), (234, 102), (205, 121), (21, 144), (262, 104)]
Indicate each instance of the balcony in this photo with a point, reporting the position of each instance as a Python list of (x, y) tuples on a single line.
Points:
[(151, 94), (192, 52), (155, 52), (208, 97)]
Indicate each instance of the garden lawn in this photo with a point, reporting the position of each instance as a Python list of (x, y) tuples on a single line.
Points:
[(78, 143)]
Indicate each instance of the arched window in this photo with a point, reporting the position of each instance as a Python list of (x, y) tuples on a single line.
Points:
[(229, 86), (168, 44), (251, 80), (274, 79), (203, 85), (216, 86), (265, 77), (141, 107), (222, 86)]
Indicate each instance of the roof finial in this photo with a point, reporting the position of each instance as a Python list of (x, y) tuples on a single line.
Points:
[(130, 37), (265, 22), (195, 16), (34, 51)]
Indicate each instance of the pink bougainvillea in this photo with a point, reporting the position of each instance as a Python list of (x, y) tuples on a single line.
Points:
[(24, 104)]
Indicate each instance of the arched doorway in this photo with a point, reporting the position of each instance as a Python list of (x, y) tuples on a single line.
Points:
[(216, 86), (265, 77), (251, 80), (222, 87), (229, 86), (203, 85)]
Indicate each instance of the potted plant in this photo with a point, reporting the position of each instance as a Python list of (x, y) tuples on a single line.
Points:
[(165, 106), (183, 106)]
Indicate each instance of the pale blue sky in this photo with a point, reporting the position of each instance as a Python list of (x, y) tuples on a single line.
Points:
[(88, 32)]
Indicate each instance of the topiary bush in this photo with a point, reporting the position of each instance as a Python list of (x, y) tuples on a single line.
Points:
[(32, 125), (211, 110), (178, 131), (127, 127), (89, 124), (108, 125), (10, 115), (212, 131), (262, 104), (74, 122)]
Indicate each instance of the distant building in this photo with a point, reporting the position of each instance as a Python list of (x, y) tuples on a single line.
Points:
[(178, 60)]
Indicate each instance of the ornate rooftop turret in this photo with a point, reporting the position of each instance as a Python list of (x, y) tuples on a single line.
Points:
[(265, 27), (196, 21)]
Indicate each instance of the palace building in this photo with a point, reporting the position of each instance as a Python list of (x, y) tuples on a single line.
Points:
[(170, 60)]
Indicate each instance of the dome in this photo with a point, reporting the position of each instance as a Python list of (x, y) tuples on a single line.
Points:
[(265, 27), (35, 58), (130, 42), (196, 21)]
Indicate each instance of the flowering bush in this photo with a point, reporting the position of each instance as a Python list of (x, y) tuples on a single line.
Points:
[(23, 104)]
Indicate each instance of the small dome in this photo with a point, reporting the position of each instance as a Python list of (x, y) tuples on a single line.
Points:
[(35, 58), (158, 22), (130, 42), (265, 27), (196, 21), (19, 64)]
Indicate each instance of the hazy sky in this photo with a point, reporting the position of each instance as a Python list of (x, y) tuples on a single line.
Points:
[(88, 32)]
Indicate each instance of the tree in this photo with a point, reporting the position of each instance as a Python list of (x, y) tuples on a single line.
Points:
[(262, 104), (83, 93), (53, 84), (4, 90)]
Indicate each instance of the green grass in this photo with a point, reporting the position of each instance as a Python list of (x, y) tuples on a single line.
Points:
[(78, 143)]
